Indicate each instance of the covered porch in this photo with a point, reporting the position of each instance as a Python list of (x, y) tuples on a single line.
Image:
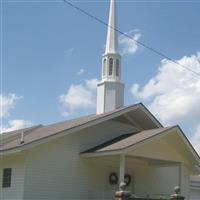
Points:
[(151, 163), (145, 177)]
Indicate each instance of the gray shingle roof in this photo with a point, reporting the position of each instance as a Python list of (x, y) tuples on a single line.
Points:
[(128, 140), (11, 140), (40, 132)]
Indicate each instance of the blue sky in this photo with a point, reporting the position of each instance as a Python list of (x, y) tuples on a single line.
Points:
[(50, 50)]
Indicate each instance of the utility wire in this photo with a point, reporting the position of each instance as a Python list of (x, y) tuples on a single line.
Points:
[(131, 38)]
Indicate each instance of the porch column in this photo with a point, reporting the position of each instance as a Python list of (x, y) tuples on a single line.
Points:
[(122, 169), (121, 194), (180, 175)]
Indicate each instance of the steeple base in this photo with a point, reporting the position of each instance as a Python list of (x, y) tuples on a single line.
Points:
[(110, 96)]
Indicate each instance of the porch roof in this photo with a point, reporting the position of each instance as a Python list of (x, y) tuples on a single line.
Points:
[(128, 142)]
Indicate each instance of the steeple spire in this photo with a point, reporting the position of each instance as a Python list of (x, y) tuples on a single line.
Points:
[(112, 36), (110, 91)]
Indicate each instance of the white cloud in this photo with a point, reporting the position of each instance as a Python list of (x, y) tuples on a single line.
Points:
[(127, 45), (15, 125), (79, 97), (8, 103), (92, 83), (173, 95), (80, 72), (195, 140)]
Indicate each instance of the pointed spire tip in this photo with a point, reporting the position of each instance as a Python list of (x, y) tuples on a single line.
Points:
[(112, 35)]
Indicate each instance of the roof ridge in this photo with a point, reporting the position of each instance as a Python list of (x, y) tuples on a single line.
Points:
[(64, 121)]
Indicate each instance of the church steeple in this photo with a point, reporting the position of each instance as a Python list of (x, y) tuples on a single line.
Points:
[(110, 91)]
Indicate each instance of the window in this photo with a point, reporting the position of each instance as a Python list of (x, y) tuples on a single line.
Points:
[(117, 67), (7, 172), (104, 67), (110, 66)]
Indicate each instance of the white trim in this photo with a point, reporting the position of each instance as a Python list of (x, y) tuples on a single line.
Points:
[(101, 154), (150, 115), (168, 162)]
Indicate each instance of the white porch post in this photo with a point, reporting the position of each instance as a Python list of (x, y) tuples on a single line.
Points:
[(180, 175), (122, 169)]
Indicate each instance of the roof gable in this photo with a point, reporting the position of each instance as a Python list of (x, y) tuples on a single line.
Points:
[(138, 112), (136, 141)]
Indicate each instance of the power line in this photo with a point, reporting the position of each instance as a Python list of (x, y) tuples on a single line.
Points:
[(131, 38)]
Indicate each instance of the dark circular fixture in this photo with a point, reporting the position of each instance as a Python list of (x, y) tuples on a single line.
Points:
[(127, 179), (113, 178)]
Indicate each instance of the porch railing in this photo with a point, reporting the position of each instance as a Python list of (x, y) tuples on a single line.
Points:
[(123, 195), (126, 195)]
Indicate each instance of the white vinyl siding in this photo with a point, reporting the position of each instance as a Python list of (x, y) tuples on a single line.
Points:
[(17, 179), (55, 170)]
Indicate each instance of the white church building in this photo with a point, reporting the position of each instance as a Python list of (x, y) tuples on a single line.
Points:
[(88, 157)]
